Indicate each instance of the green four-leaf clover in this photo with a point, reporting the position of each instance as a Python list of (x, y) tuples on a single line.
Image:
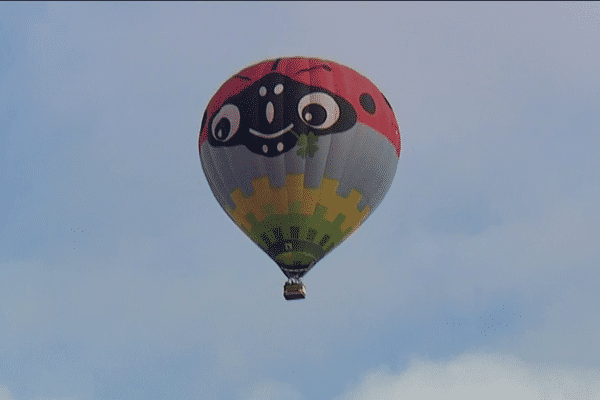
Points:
[(307, 144)]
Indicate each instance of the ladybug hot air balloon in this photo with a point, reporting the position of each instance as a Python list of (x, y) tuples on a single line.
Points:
[(299, 152)]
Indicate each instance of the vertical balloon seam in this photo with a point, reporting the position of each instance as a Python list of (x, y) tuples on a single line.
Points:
[(207, 173), (244, 174), (320, 167), (225, 171), (209, 178), (288, 196), (288, 178), (250, 168), (359, 163), (229, 204), (308, 65), (337, 204), (216, 176), (218, 193), (236, 178), (341, 80), (369, 148), (345, 180), (319, 172)]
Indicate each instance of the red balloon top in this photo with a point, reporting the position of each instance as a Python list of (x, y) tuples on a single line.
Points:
[(371, 106)]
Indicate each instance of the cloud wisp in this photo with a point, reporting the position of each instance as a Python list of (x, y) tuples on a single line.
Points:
[(477, 376)]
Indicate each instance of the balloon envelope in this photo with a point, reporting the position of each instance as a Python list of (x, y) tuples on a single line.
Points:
[(299, 152)]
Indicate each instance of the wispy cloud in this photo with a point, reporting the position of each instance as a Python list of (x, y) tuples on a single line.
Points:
[(477, 376)]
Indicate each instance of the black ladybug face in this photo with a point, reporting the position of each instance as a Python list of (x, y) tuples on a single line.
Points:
[(269, 116)]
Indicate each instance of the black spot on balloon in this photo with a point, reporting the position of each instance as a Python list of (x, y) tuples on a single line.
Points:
[(275, 64), (367, 103)]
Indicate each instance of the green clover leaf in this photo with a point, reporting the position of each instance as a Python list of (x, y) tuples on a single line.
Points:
[(302, 152), (307, 144)]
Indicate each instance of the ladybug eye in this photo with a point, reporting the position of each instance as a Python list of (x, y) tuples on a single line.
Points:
[(318, 110), (226, 123)]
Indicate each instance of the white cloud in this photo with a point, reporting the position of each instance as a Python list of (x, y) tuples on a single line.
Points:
[(478, 376), (5, 393)]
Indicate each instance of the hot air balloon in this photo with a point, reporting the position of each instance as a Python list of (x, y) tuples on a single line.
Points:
[(298, 152)]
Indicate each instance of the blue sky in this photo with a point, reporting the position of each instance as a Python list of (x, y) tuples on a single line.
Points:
[(122, 278)]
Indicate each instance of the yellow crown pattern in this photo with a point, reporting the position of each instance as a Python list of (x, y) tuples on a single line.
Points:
[(295, 198)]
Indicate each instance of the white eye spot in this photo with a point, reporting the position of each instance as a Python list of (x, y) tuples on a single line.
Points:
[(280, 146), (320, 109), (265, 148), (262, 91), (226, 123), (278, 89)]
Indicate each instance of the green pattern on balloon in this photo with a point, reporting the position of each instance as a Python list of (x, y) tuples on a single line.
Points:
[(307, 144), (314, 228)]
